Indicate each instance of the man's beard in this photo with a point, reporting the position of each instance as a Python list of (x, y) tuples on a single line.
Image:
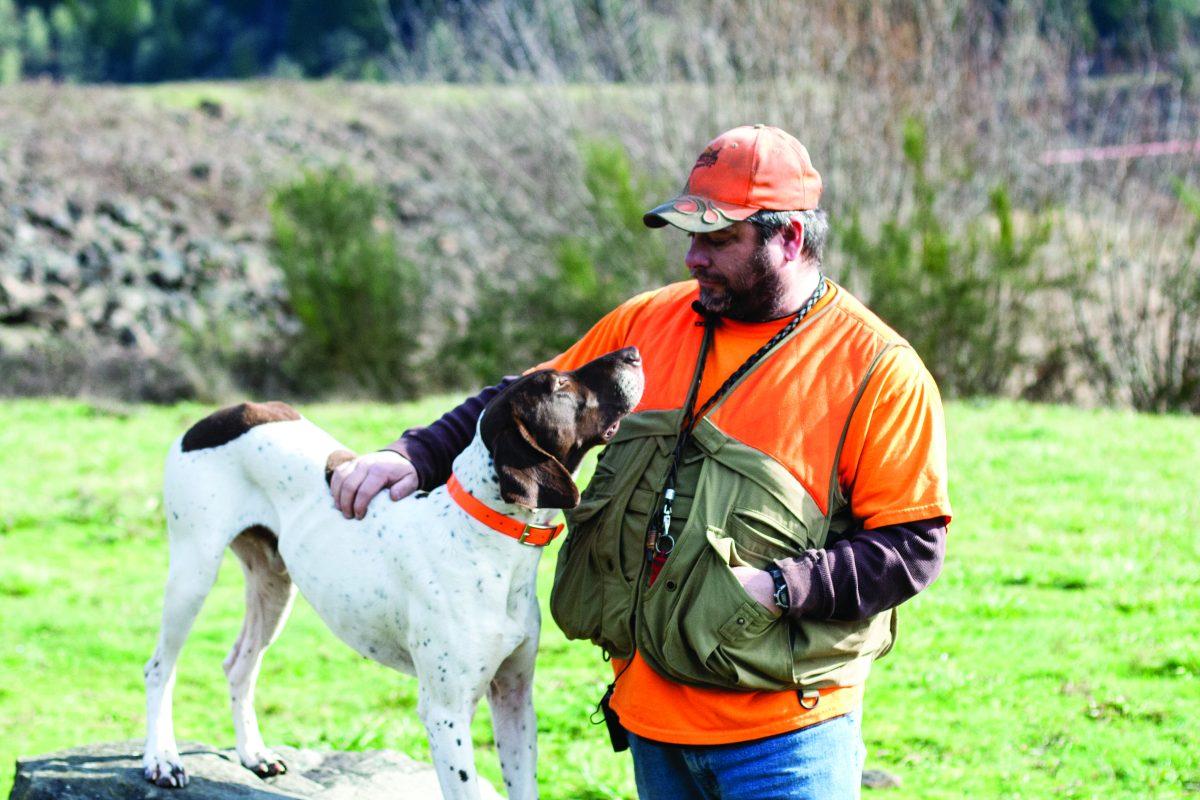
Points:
[(756, 300)]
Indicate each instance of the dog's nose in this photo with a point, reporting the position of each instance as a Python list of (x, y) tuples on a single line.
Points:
[(631, 356)]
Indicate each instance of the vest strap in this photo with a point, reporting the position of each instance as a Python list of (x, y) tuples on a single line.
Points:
[(834, 482), (523, 532)]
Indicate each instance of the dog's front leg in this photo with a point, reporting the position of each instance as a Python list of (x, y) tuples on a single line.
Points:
[(514, 722), (447, 719)]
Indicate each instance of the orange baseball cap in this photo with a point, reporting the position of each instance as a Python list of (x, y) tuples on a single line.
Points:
[(747, 169)]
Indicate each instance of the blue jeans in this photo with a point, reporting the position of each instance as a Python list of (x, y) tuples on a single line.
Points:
[(820, 762)]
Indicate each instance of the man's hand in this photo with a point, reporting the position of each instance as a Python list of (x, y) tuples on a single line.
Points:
[(354, 483), (759, 585)]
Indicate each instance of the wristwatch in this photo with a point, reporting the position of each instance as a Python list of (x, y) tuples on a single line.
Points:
[(782, 598)]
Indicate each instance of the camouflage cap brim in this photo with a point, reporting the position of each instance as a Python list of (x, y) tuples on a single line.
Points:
[(696, 214)]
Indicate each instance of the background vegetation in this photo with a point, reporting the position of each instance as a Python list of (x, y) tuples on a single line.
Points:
[(1058, 655), (458, 196), (162, 40), (481, 209)]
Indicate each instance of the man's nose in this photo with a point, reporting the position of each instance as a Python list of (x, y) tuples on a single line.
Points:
[(697, 255)]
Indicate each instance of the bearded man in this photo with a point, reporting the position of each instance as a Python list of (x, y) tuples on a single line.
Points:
[(751, 528)]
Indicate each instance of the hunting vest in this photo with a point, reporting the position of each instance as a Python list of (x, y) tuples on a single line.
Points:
[(758, 481)]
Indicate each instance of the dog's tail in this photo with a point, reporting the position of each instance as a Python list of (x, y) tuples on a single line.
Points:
[(243, 454)]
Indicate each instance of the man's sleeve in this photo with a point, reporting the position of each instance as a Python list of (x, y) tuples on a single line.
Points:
[(893, 464), (867, 572), (893, 469), (433, 448)]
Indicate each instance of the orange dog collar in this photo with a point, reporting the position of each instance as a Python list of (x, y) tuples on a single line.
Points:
[(523, 532)]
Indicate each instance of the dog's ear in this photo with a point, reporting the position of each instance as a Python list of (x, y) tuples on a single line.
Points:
[(529, 476)]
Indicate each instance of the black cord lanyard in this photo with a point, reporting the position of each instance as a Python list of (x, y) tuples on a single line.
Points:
[(660, 542)]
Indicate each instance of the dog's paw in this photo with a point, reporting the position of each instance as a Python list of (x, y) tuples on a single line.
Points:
[(266, 765), (164, 771)]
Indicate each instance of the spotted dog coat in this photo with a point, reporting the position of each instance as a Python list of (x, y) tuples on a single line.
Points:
[(417, 585)]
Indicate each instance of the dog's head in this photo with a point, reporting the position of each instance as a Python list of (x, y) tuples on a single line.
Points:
[(540, 427)]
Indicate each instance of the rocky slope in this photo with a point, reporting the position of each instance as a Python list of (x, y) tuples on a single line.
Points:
[(134, 222)]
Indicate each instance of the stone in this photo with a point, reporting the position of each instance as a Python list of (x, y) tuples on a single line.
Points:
[(60, 267), (18, 300), (50, 213), (124, 213), (95, 303), (167, 270), (113, 771), (879, 779)]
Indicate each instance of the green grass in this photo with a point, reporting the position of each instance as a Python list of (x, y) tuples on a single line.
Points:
[(1058, 654)]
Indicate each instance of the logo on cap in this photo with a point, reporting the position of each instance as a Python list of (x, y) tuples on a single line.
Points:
[(708, 157)]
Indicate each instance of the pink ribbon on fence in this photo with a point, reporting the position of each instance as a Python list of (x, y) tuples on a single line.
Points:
[(1078, 155)]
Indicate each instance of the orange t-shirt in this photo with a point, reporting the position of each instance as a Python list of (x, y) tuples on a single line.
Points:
[(893, 459)]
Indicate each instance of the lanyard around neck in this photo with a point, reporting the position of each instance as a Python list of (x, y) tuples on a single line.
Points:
[(661, 535)]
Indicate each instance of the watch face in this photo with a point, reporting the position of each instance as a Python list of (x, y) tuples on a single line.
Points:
[(781, 589)]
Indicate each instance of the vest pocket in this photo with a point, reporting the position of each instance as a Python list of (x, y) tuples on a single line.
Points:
[(722, 636), (593, 579), (761, 538), (577, 597)]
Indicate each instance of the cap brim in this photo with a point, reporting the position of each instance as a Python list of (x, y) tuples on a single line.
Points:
[(696, 214)]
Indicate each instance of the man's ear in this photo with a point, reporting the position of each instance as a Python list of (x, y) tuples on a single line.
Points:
[(529, 476), (793, 239)]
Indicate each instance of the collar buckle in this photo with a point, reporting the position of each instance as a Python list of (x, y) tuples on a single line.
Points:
[(530, 528)]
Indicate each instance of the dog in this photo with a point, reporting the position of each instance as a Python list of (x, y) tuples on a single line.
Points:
[(420, 585)]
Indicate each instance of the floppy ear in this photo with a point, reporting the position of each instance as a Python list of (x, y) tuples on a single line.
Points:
[(529, 476)]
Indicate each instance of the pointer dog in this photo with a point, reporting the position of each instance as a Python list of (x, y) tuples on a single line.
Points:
[(419, 585)]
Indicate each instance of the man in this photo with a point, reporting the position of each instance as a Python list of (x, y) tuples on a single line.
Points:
[(778, 491)]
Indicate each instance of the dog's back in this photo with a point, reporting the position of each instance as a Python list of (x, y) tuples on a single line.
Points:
[(235, 453)]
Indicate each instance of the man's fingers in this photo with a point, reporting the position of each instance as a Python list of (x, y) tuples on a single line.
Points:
[(349, 489), (370, 487), (339, 474), (404, 487)]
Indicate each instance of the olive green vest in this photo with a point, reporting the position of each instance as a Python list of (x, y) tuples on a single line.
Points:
[(734, 506)]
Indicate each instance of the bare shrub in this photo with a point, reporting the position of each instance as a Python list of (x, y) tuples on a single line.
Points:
[(485, 188), (607, 256), (961, 297), (1137, 316)]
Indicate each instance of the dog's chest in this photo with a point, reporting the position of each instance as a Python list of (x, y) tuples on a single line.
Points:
[(418, 573)]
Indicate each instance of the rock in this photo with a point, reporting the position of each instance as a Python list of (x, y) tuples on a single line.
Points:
[(24, 233), (50, 213), (211, 108), (94, 263), (114, 770), (167, 271), (60, 267), (18, 339), (18, 300), (123, 213), (95, 304), (878, 779)]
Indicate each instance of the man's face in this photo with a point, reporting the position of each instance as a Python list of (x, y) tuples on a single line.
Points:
[(739, 276)]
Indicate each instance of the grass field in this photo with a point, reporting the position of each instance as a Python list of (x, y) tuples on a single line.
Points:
[(1057, 656)]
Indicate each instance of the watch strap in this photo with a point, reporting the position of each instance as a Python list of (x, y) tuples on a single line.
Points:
[(782, 597)]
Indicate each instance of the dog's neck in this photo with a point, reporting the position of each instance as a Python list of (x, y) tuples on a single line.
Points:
[(476, 471)]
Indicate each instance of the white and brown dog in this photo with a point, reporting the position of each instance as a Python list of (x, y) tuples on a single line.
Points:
[(420, 585)]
